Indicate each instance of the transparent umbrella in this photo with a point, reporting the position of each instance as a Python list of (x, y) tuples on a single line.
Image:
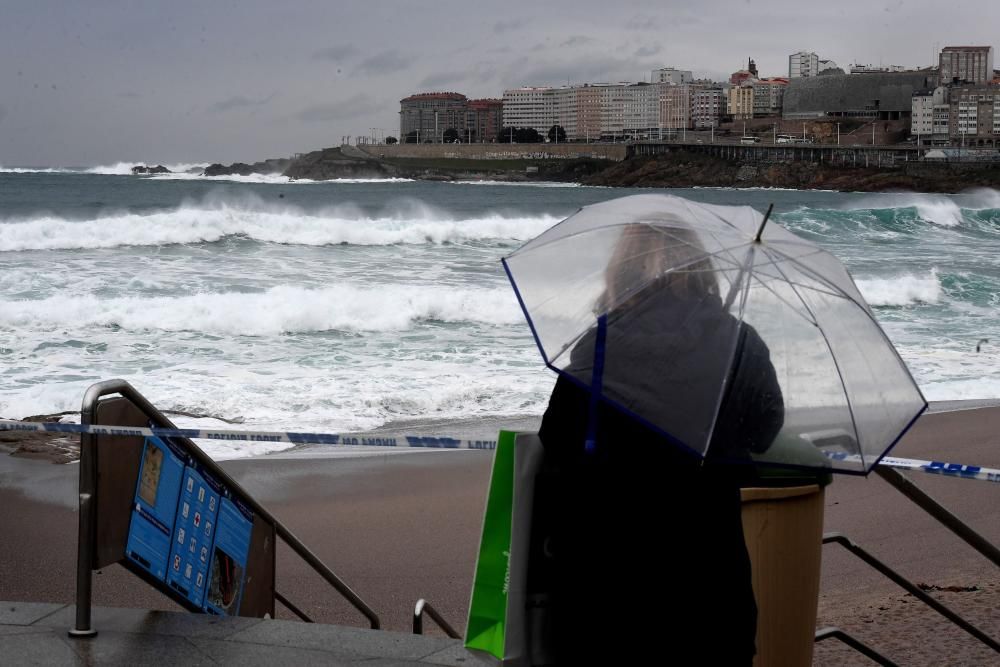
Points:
[(732, 337)]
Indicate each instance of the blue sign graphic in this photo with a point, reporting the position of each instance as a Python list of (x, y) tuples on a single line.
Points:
[(194, 529), (155, 506), (229, 558)]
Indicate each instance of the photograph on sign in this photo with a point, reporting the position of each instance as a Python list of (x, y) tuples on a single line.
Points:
[(154, 507), (229, 559)]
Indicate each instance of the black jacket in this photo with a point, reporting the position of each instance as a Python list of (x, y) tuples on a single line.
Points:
[(643, 542)]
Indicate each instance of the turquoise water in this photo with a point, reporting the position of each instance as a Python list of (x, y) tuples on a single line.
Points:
[(346, 306)]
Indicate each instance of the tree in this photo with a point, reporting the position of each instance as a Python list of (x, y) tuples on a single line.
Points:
[(389, 141), (519, 135), (557, 134), (412, 137), (450, 135)]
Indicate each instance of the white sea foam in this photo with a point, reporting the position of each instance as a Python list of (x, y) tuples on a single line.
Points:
[(125, 168), (213, 221), (34, 170), (279, 310), (902, 290)]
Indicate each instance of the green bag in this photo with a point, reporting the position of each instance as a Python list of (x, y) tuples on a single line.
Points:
[(499, 627)]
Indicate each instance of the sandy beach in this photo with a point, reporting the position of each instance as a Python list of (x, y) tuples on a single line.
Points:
[(402, 526)]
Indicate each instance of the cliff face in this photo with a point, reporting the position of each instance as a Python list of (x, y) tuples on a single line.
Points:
[(684, 170)]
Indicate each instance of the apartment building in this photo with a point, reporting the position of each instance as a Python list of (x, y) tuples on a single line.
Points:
[(768, 95), (929, 115), (975, 115), (969, 64), (426, 116), (670, 75), (739, 102), (708, 105), (803, 63), (483, 120)]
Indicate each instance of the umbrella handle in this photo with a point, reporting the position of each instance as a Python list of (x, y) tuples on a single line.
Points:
[(596, 384)]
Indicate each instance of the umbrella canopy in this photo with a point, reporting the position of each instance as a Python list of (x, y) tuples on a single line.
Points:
[(735, 339)]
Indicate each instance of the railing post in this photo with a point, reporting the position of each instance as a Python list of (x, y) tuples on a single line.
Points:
[(85, 545)]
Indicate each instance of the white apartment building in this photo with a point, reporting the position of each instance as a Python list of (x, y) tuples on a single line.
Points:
[(803, 63), (537, 107), (671, 75), (922, 113)]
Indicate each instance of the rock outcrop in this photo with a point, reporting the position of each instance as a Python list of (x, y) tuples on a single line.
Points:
[(269, 166), (143, 169)]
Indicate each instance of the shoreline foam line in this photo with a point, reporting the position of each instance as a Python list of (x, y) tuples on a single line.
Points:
[(411, 441)]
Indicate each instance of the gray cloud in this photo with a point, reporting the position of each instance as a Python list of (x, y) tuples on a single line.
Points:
[(479, 73), (501, 27), (648, 50), (577, 70), (3, 112), (336, 53), (642, 22), (383, 63), (577, 40), (130, 95), (239, 102), (352, 107)]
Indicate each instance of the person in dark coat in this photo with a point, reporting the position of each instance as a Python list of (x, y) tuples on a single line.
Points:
[(640, 543)]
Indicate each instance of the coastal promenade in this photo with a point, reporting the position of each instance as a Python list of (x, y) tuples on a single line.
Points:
[(404, 526)]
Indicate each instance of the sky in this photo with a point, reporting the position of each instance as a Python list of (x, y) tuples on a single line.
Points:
[(96, 83)]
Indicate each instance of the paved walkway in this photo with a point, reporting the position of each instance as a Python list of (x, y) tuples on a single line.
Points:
[(33, 633)]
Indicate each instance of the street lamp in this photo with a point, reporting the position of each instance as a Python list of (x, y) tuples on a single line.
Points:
[(838, 134)]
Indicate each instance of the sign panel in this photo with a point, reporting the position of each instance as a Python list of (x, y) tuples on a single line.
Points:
[(154, 507), (188, 531), (194, 530)]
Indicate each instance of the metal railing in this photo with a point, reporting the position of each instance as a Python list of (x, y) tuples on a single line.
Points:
[(88, 489), (856, 644), (424, 607)]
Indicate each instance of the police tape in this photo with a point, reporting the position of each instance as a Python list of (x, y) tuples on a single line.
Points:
[(413, 442), (398, 441)]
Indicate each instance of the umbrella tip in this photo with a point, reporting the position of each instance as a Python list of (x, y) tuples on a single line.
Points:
[(760, 230)]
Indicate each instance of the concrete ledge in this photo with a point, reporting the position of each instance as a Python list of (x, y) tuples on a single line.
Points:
[(35, 633)]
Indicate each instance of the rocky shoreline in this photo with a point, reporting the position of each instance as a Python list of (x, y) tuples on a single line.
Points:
[(679, 169)]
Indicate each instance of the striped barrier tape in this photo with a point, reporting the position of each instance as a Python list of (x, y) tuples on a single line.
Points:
[(399, 441), (412, 441)]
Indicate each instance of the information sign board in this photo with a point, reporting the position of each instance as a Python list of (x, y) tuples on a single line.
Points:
[(188, 531)]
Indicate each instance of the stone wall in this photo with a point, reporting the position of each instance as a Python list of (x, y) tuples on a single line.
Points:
[(614, 152)]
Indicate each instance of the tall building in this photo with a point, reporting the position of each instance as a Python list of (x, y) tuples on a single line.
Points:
[(966, 64), (768, 95), (928, 106), (483, 120), (532, 106), (975, 115), (671, 75), (708, 105), (739, 102), (426, 116), (803, 63)]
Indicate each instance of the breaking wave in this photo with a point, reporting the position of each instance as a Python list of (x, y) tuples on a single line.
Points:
[(903, 290), (279, 310), (208, 222)]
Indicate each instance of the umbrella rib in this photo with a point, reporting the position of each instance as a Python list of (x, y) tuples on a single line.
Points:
[(817, 276), (840, 374), (785, 301)]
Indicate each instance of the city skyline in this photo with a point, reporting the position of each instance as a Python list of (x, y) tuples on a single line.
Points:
[(102, 83)]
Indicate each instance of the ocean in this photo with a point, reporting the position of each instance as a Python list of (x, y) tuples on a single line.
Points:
[(348, 306)]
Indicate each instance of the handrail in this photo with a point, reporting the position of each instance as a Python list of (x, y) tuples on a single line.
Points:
[(88, 487), (911, 588), (908, 488), (856, 644), (423, 606)]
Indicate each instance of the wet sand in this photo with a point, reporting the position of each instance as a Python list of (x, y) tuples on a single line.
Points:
[(401, 526)]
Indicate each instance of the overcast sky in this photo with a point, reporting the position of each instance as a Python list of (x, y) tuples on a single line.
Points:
[(92, 82)]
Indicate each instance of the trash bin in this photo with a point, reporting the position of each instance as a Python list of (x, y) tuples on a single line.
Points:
[(783, 525)]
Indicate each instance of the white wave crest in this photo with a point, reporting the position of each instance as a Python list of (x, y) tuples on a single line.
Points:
[(208, 222), (125, 168), (34, 170), (903, 290), (283, 309), (268, 179)]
